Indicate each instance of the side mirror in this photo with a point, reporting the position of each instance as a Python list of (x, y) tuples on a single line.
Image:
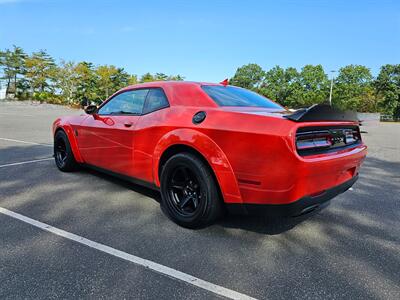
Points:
[(84, 103), (91, 109)]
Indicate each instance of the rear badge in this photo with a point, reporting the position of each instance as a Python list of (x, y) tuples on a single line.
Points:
[(337, 136)]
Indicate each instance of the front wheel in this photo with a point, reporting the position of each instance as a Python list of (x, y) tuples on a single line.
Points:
[(63, 155), (189, 192)]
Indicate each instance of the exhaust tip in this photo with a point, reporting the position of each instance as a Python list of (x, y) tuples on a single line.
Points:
[(307, 210)]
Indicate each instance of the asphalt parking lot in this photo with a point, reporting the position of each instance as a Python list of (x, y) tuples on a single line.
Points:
[(348, 249)]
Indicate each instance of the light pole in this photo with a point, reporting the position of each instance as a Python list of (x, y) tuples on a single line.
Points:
[(330, 93)]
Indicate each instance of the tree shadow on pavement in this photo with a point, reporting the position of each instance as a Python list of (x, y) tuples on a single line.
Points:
[(349, 249), (153, 194)]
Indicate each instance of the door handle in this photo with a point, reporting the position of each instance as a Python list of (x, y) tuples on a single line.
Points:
[(128, 124)]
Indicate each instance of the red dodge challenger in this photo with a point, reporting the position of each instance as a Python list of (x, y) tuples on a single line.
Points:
[(208, 147)]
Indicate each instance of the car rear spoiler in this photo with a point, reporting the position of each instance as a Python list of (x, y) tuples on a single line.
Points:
[(321, 113)]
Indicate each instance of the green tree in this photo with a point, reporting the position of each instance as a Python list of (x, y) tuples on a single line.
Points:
[(387, 85), (105, 83), (353, 87), (279, 83), (13, 64), (133, 79), (2, 64), (370, 101), (176, 77), (110, 79), (120, 79), (23, 89), (66, 81), (147, 78), (248, 76), (87, 82), (310, 87), (160, 77), (2, 57), (41, 72)]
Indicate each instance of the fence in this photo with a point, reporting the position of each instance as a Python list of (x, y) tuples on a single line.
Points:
[(389, 118)]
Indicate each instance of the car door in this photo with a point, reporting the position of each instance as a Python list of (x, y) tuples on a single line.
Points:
[(148, 132), (106, 139)]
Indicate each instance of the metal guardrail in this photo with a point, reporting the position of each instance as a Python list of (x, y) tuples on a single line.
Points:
[(389, 118)]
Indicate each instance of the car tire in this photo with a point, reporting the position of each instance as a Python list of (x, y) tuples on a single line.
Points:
[(63, 156), (189, 192)]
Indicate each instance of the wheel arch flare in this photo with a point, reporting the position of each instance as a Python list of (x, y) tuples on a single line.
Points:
[(67, 128), (190, 140)]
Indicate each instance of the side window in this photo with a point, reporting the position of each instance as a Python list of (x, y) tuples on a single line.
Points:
[(156, 99), (130, 102)]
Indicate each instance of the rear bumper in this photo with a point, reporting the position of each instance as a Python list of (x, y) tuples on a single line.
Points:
[(285, 178), (301, 206)]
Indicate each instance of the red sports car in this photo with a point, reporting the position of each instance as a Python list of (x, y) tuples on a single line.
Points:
[(208, 147)]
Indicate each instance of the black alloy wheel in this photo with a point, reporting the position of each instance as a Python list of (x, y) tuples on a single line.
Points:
[(63, 156), (60, 152), (189, 192), (184, 190)]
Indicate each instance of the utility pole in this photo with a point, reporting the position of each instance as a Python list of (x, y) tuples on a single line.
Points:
[(330, 93)]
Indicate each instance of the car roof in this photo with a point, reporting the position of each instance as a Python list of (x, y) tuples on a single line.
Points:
[(187, 93), (170, 83)]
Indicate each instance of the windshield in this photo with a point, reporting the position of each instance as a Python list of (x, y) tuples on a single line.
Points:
[(235, 96)]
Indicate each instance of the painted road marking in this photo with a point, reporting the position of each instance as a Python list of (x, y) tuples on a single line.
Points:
[(25, 142), (26, 162), (16, 115), (172, 273)]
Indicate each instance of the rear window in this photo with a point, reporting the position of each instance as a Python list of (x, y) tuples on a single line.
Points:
[(235, 96), (156, 99)]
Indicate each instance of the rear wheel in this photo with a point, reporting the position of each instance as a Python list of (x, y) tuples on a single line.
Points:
[(63, 155), (189, 191)]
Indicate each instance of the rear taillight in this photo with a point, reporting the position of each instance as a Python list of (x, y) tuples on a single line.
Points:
[(319, 140), (351, 136), (312, 141)]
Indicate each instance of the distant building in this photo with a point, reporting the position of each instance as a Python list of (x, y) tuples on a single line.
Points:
[(3, 89)]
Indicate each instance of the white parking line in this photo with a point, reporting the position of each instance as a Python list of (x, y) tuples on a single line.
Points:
[(26, 162), (25, 142), (17, 115), (172, 273)]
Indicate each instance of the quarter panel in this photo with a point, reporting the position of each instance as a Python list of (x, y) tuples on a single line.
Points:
[(159, 130)]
